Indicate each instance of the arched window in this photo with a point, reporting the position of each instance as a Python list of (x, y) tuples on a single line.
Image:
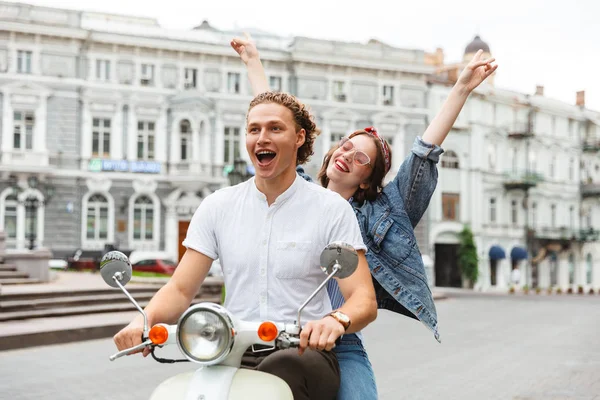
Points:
[(185, 135), (143, 218), (10, 216), (450, 160), (97, 217)]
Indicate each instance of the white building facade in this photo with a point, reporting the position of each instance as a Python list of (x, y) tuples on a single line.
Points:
[(114, 129), (523, 172)]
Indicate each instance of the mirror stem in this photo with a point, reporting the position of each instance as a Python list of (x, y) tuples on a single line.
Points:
[(117, 277), (336, 268)]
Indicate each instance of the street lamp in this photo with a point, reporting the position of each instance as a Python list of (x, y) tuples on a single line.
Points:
[(239, 173)]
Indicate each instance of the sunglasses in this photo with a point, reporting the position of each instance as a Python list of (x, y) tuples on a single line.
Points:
[(359, 157)]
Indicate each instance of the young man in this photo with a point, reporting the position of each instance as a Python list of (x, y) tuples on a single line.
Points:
[(268, 233)]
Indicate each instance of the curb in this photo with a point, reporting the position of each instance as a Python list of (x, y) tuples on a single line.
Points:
[(15, 342)]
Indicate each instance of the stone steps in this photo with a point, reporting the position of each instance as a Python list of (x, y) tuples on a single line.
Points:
[(72, 310), (13, 275)]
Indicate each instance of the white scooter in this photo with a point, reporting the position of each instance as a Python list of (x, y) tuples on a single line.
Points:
[(209, 335)]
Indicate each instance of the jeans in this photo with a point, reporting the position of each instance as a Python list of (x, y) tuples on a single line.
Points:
[(357, 377)]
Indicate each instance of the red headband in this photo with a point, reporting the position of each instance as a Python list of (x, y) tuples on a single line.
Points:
[(384, 145)]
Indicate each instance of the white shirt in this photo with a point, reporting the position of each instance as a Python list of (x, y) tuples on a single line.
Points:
[(270, 255)]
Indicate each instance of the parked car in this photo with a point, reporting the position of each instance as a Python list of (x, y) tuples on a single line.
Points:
[(152, 261)]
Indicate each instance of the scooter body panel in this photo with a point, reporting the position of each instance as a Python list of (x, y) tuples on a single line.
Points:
[(223, 383)]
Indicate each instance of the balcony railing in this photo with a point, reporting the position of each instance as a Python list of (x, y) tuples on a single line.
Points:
[(591, 145), (520, 130), (565, 234), (590, 190), (521, 179), (196, 168)]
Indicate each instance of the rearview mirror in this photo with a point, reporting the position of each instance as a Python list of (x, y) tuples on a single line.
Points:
[(341, 254), (117, 264)]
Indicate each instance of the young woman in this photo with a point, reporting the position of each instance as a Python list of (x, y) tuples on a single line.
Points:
[(355, 169)]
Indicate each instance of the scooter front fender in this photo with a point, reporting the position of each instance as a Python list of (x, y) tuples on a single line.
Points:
[(223, 383)]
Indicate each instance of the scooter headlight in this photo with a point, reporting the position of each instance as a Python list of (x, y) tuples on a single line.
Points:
[(205, 333)]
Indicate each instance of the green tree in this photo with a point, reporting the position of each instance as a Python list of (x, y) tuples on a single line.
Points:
[(468, 261)]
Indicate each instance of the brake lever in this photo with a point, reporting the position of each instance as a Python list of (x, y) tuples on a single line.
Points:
[(131, 350)]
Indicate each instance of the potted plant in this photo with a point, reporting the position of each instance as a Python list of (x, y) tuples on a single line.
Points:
[(511, 290), (570, 290), (592, 291), (549, 290), (468, 261), (580, 289), (526, 289), (538, 290), (559, 291)]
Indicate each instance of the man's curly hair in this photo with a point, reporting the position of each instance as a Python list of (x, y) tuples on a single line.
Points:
[(302, 118)]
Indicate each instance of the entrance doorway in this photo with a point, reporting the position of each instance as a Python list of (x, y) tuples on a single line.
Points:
[(493, 272), (447, 273), (183, 227)]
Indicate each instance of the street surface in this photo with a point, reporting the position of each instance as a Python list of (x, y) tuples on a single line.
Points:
[(493, 347)]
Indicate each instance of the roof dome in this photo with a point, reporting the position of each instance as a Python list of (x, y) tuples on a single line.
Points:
[(477, 44)]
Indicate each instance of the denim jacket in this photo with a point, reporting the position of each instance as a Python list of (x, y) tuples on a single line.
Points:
[(387, 227)]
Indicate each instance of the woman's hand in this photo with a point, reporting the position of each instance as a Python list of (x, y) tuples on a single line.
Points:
[(476, 72), (246, 48)]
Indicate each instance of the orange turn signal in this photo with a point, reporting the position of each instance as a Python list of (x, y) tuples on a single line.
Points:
[(267, 331), (158, 334)]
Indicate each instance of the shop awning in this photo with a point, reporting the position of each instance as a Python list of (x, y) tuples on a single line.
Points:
[(497, 253), (518, 253)]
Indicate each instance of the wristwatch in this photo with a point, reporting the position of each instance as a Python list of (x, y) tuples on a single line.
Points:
[(341, 318)]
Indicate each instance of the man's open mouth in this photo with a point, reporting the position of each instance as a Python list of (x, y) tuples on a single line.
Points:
[(264, 157)]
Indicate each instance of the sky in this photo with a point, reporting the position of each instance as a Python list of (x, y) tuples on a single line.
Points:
[(553, 43)]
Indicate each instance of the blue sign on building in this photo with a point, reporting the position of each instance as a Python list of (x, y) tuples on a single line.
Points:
[(145, 167)]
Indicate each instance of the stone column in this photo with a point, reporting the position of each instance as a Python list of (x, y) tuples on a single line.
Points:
[(543, 271)]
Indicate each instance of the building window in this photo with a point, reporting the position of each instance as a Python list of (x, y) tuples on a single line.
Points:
[(145, 142), (97, 218), (450, 160), (513, 159), (143, 218), (24, 62), (190, 78), (147, 75), (233, 82), (571, 169), (514, 212), (10, 216), (275, 83), (450, 206), (339, 90), (493, 210), (232, 145), (588, 269), (492, 157), (103, 70), (572, 217), (589, 219), (100, 137), (532, 161), (571, 269), (534, 215), (24, 122), (552, 165), (185, 134), (336, 138), (388, 95), (553, 215)]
